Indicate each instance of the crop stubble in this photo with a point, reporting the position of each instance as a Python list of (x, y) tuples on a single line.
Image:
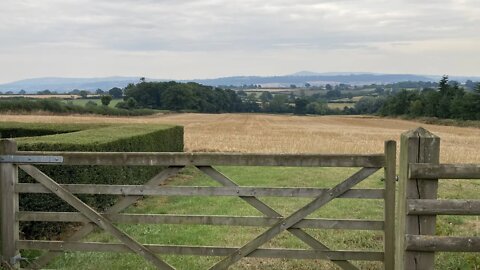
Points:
[(290, 134)]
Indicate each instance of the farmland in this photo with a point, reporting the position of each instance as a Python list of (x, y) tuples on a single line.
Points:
[(277, 134), (263, 133)]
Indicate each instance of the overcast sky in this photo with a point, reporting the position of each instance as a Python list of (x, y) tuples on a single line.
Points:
[(210, 38)]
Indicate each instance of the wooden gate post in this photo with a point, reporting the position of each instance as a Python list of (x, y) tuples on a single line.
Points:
[(389, 203), (8, 206), (416, 146)]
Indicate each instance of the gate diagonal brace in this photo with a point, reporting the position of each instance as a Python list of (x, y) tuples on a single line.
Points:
[(116, 208), (294, 218), (94, 216), (268, 211)]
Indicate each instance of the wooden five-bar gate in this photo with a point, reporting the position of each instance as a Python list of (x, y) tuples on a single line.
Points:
[(276, 223), (406, 246)]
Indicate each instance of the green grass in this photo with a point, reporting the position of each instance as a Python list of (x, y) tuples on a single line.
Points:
[(237, 236), (458, 225)]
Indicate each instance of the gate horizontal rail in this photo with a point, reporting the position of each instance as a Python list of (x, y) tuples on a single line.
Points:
[(141, 190), (205, 251), (256, 221), (442, 243), (444, 171), (443, 207), (209, 159)]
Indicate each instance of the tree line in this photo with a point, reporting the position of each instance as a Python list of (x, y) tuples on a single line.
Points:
[(442, 100), (445, 99), (176, 96), (448, 100), (192, 96)]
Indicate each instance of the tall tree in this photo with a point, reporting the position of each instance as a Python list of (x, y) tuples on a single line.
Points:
[(300, 106), (83, 93), (116, 92), (106, 99)]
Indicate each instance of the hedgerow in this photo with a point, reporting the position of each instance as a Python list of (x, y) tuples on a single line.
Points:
[(21, 104), (86, 138)]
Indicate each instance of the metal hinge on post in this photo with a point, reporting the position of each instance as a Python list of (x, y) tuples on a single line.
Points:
[(16, 259), (19, 159)]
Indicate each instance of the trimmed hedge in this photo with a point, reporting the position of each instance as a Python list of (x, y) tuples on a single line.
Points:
[(87, 138), (17, 129)]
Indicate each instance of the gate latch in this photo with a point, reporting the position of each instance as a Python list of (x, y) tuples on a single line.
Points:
[(30, 159)]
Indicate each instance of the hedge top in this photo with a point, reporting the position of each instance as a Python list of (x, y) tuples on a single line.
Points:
[(75, 136), (47, 127)]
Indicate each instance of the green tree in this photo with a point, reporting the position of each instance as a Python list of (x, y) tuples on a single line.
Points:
[(470, 84), (266, 96), (443, 85), (251, 103), (178, 98), (317, 107), (279, 104), (242, 94), (131, 103), (430, 99), (416, 108), (106, 99), (44, 92), (333, 94), (83, 93), (369, 105), (300, 106), (475, 100), (252, 97), (115, 92)]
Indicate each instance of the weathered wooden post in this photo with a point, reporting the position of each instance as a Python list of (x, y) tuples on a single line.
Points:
[(389, 203), (8, 205), (416, 146)]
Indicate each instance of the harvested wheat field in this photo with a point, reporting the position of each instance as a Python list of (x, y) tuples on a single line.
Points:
[(290, 134)]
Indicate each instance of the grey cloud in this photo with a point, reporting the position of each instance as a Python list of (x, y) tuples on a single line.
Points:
[(278, 31), (222, 25)]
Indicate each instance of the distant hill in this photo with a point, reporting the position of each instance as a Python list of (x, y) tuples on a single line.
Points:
[(312, 78), (299, 78), (67, 84)]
